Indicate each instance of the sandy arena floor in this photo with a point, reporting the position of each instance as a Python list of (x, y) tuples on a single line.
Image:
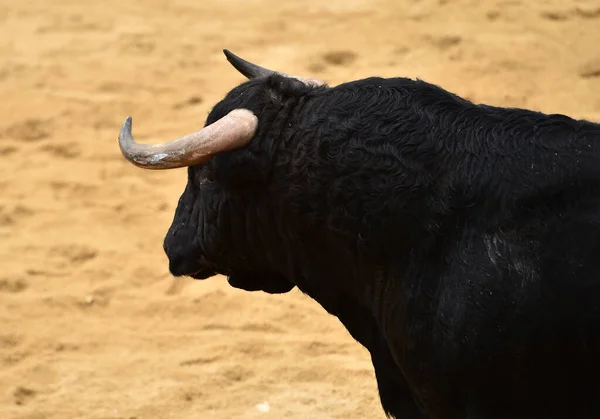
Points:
[(91, 323)]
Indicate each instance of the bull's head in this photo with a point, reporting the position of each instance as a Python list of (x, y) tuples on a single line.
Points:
[(214, 227)]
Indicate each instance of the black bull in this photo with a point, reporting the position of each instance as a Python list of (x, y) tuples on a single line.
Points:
[(459, 243)]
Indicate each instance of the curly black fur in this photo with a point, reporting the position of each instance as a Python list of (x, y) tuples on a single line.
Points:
[(457, 242)]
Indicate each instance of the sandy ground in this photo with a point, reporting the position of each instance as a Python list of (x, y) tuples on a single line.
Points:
[(91, 323)]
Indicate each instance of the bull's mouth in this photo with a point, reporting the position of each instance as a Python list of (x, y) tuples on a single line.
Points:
[(271, 284), (252, 279), (190, 267), (266, 282), (202, 274)]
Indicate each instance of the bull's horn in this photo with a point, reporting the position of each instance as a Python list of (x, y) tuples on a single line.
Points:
[(251, 71), (248, 69), (234, 130)]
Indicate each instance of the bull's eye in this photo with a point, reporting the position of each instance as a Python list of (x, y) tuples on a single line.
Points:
[(205, 174)]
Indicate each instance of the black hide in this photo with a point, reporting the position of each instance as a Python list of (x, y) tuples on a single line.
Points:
[(457, 242)]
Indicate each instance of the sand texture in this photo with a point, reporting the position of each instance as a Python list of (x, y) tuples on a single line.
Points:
[(91, 323)]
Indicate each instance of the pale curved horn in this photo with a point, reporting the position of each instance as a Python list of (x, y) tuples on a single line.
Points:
[(234, 130), (251, 70)]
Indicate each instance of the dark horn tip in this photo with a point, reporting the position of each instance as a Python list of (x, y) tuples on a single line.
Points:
[(246, 68), (231, 57), (228, 53)]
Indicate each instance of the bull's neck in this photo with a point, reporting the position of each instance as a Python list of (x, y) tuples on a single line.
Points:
[(381, 190)]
